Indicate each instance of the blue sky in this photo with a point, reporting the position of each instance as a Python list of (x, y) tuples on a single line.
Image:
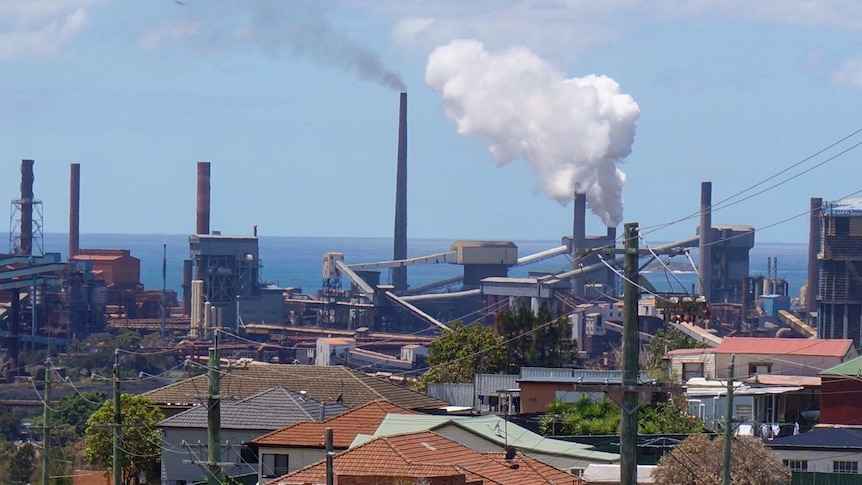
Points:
[(302, 142)]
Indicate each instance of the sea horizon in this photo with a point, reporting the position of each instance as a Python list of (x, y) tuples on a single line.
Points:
[(296, 261)]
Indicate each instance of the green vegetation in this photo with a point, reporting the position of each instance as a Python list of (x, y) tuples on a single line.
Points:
[(140, 437), (462, 351), (663, 342), (591, 417), (540, 340)]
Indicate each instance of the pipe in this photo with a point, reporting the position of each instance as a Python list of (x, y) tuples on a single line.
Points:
[(705, 250), (399, 274), (187, 286), (203, 199), (811, 289), (26, 207), (74, 209)]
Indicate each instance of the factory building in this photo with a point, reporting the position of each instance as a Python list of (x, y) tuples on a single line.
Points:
[(836, 255)]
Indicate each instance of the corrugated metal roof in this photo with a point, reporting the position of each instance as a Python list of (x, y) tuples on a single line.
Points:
[(611, 474), (785, 346), (495, 429), (829, 438), (779, 380), (852, 367), (846, 207)]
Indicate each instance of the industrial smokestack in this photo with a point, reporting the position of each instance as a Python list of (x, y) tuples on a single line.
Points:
[(203, 199), (705, 250), (579, 237), (399, 274), (611, 276), (74, 209), (812, 282), (579, 223), (26, 207)]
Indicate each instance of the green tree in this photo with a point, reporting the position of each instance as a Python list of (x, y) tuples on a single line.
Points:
[(461, 352), (75, 409), (9, 422), (663, 342), (21, 463), (699, 459), (540, 339), (590, 416), (141, 440)]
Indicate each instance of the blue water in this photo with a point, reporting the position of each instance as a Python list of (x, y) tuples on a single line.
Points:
[(297, 261)]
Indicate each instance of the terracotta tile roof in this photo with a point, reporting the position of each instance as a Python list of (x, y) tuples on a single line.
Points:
[(427, 454), (267, 410), (364, 419), (785, 346), (321, 383)]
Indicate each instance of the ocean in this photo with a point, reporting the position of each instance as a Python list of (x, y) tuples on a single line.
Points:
[(297, 261)]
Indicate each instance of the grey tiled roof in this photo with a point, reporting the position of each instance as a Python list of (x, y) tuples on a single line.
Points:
[(271, 409), (321, 383)]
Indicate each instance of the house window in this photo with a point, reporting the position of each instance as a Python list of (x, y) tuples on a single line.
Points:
[(280, 467), (796, 465), (759, 369), (845, 467), (247, 455), (691, 369)]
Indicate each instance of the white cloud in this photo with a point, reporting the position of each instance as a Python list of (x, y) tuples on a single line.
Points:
[(564, 29), (849, 74), (40, 28), (165, 33)]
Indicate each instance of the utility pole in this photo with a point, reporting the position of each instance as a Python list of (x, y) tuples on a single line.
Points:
[(46, 432), (330, 453), (214, 414), (629, 419), (627, 393), (728, 423), (117, 467), (164, 288)]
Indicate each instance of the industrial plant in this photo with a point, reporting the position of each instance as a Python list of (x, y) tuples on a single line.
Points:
[(367, 314)]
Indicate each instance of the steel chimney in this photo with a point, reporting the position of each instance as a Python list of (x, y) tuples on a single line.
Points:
[(399, 274), (27, 178), (74, 209), (203, 199), (704, 262)]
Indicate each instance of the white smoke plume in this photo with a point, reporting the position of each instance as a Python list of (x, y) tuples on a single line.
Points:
[(573, 132)]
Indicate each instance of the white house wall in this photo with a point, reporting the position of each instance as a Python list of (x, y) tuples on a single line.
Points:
[(788, 365), (819, 461), (297, 458), (174, 452)]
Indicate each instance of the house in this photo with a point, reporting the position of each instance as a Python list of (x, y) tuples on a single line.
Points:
[(785, 356), (324, 384), (299, 445), (537, 390), (822, 450), (431, 458), (685, 364), (841, 394), (184, 435), (754, 405), (491, 433), (610, 474)]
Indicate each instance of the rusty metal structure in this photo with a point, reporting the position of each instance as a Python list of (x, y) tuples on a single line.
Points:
[(838, 252)]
